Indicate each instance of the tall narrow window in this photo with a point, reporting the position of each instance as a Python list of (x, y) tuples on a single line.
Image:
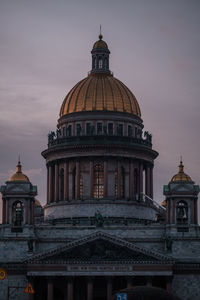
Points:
[(99, 128), (110, 128), (69, 130), (122, 183), (88, 128), (182, 212), (100, 63), (17, 213), (78, 129), (61, 184), (120, 129), (98, 181), (130, 131)]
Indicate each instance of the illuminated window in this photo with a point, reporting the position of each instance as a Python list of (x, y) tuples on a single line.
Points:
[(98, 181), (17, 213), (122, 183), (182, 212), (81, 186)]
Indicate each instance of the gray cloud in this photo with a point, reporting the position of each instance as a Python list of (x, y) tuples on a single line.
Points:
[(45, 49)]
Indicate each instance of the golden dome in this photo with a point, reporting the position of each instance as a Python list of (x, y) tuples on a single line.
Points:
[(19, 176), (100, 92), (181, 176), (100, 43)]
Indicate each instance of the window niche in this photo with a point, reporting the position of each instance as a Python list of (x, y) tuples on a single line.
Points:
[(17, 213), (98, 181), (182, 212)]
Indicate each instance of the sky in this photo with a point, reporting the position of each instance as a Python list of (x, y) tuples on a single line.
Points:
[(45, 50)]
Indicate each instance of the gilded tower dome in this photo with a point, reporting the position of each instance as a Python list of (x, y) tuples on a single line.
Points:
[(19, 176), (100, 91), (181, 176)]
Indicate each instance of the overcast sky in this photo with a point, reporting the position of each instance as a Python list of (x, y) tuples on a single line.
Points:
[(45, 50)]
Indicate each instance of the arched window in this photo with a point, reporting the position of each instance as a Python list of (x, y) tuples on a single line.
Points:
[(98, 181), (122, 183), (182, 212), (61, 184), (100, 63), (17, 213)]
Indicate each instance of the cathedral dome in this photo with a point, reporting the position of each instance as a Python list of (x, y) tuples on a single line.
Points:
[(19, 176), (181, 176), (100, 92)]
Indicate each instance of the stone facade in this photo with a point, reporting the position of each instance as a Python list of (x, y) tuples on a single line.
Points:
[(100, 230)]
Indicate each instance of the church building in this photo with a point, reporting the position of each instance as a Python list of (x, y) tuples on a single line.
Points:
[(100, 230)]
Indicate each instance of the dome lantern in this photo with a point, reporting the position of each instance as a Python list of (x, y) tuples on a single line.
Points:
[(100, 57)]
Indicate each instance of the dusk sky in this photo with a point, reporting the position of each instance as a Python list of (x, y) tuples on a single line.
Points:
[(45, 50)]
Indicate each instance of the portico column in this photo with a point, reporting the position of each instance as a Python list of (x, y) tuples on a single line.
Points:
[(169, 284), (131, 180), (148, 181), (70, 288), (90, 288), (141, 180), (151, 182), (7, 211), (173, 211), (31, 201), (56, 183), (192, 211), (105, 179), (195, 212), (77, 191), (149, 281), (118, 180), (168, 211), (50, 184), (129, 282), (66, 180), (50, 289), (91, 178), (109, 288), (4, 211)]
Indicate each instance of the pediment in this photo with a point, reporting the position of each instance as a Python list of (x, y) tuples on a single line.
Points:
[(98, 247)]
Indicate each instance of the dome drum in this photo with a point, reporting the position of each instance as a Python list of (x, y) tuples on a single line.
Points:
[(99, 152)]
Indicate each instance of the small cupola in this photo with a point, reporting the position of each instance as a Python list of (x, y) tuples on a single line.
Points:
[(100, 57)]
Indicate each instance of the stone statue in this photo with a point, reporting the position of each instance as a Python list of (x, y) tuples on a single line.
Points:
[(169, 242), (30, 244), (51, 136), (98, 219)]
